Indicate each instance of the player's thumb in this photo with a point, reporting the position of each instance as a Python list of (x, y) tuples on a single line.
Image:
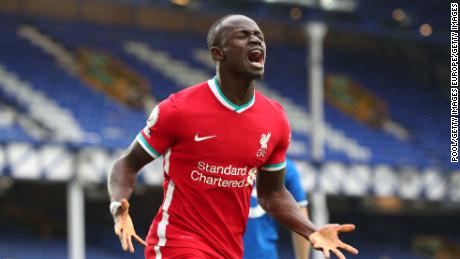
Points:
[(124, 206)]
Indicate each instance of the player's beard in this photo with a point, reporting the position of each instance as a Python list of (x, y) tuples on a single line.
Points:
[(254, 75), (242, 69)]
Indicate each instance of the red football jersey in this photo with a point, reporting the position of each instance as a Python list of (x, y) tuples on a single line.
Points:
[(213, 150)]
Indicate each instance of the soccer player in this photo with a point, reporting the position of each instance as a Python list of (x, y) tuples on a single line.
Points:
[(216, 137), (261, 231)]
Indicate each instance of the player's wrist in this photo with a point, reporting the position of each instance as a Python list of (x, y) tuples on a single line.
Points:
[(115, 207), (312, 235)]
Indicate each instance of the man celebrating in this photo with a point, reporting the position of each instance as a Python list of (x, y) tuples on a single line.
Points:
[(216, 138)]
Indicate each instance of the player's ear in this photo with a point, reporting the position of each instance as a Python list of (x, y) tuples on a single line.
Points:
[(217, 54)]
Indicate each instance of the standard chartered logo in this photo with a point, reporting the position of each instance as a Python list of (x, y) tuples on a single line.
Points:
[(212, 175), (251, 176)]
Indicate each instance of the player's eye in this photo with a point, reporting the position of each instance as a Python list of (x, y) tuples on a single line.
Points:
[(259, 35), (242, 34)]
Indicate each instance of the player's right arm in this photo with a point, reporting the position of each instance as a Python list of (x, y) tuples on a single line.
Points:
[(121, 182), (151, 142), (122, 178)]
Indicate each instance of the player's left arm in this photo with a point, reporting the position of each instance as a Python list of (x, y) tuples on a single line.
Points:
[(276, 200)]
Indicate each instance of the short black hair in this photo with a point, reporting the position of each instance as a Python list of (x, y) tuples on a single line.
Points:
[(214, 32)]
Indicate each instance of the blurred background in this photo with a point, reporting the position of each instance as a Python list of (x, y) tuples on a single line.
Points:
[(364, 83)]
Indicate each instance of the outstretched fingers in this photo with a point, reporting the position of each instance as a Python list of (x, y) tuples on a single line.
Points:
[(315, 244), (326, 253), (123, 240), (346, 228), (140, 240), (127, 243), (348, 248), (117, 230), (338, 253), (130, 244)]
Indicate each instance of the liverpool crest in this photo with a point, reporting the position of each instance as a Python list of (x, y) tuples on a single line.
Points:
[(264, 138)]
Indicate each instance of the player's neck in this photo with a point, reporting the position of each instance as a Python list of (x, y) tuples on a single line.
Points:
[(238, 90)]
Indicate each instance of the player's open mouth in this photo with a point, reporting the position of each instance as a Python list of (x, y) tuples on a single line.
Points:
[(256, 58)]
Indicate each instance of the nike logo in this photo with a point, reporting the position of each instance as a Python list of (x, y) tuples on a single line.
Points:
[(198, 139)]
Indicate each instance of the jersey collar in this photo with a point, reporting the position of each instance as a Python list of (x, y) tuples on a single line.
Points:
[(214, 85)]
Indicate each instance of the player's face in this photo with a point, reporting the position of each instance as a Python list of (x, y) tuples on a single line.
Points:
[(244, 47)]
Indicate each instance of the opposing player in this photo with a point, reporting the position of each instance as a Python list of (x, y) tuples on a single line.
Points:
[(261, 236), (216, 138)]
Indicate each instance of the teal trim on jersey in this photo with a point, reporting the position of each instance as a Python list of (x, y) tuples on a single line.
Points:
[(145, 144), (274, 167), (235, 107)]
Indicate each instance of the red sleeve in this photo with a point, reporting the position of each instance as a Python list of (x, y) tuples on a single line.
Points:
[(277, 159), (158, 135)]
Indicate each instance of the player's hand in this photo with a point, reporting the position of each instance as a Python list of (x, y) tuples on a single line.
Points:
[(326, 239), (124, 228)]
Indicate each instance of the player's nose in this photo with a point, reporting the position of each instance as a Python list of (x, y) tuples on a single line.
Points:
[(254, 40)]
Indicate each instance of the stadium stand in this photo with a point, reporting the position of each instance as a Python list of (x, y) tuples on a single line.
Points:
[(9, 127), (161, 57)]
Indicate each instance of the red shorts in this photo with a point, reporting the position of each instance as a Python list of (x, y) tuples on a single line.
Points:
[(151, 252)]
